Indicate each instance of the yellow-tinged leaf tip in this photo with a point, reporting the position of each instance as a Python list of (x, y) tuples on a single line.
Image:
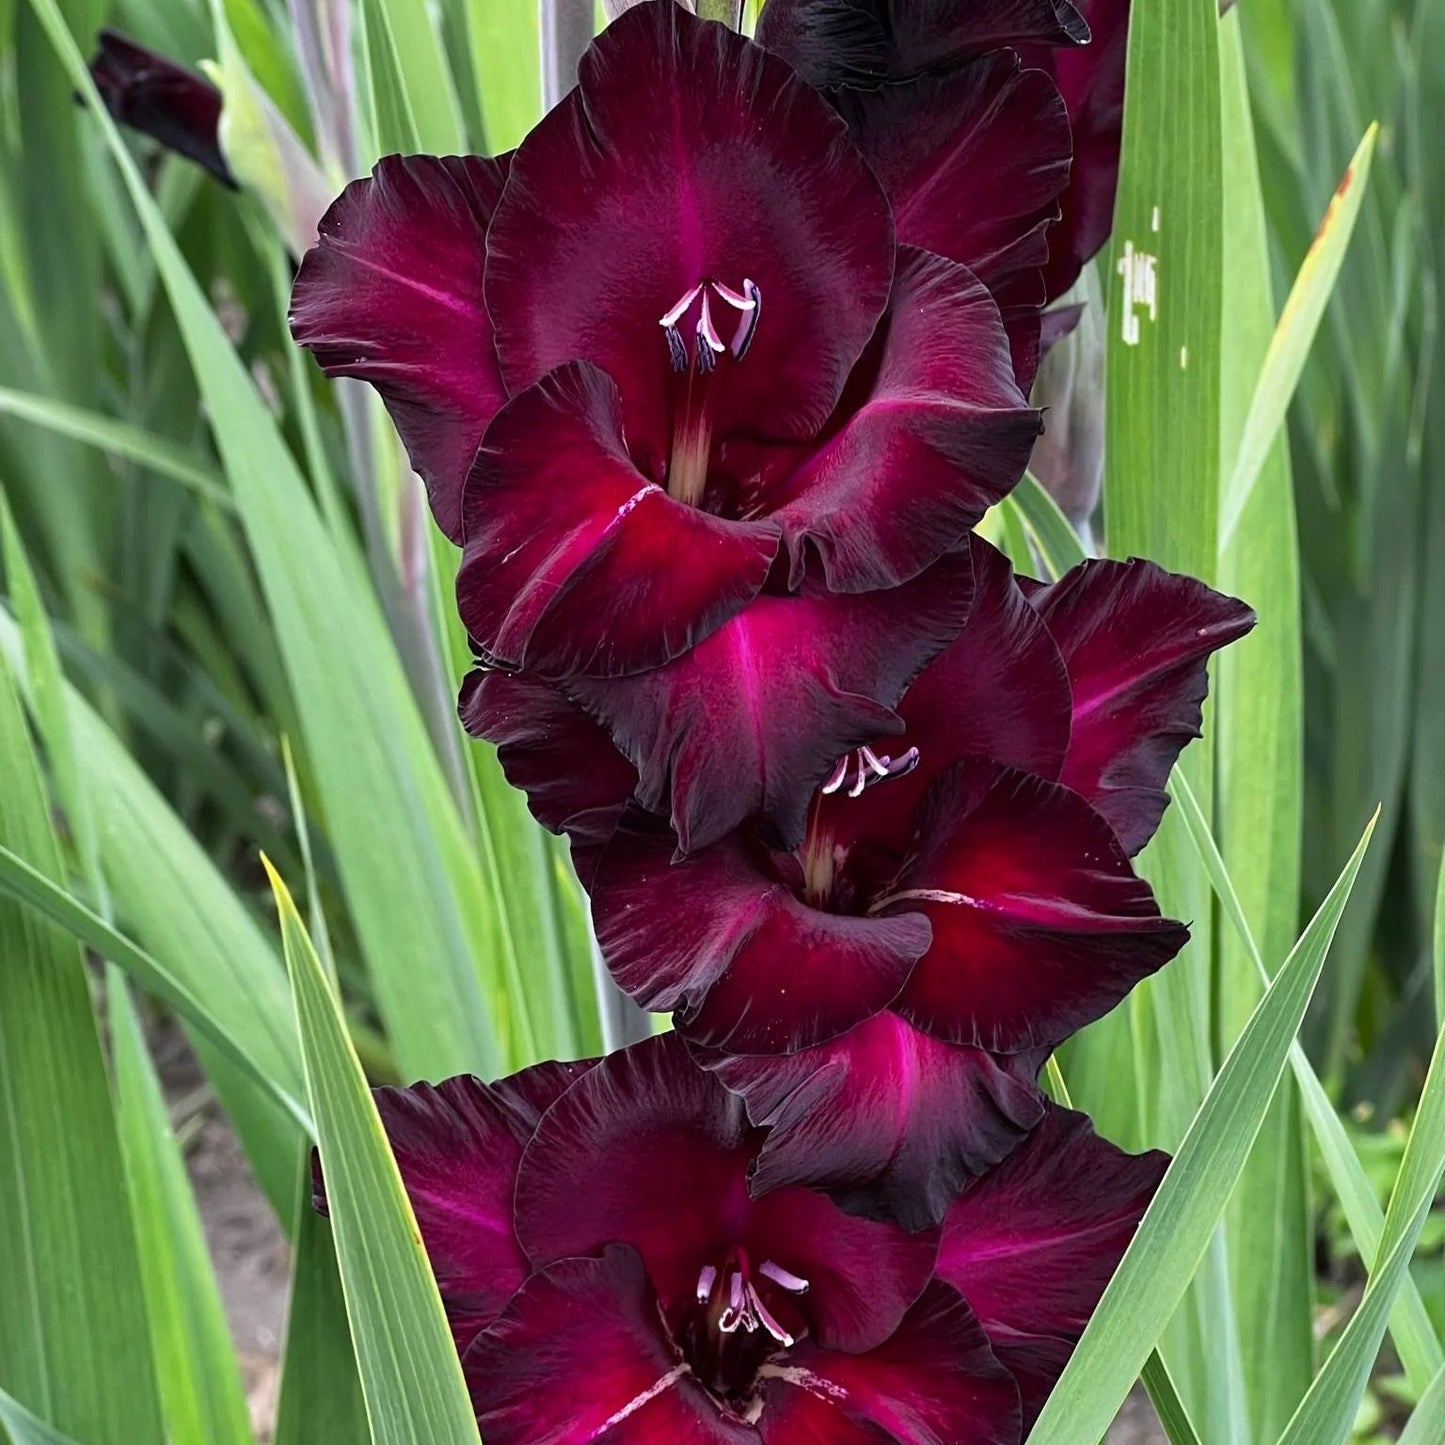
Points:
[(284, 902)]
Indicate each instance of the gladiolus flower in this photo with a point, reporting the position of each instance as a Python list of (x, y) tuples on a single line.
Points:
[(173, 105), (608, 1275), (962, 899)]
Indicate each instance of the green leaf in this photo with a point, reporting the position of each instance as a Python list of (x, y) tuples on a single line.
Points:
[(1426, 1425), (24, 1428), (410, 1373), (121, 439), (417, 77), (1161, 497), (1328, 1411), (196, 1368), (321, 1395), (1056, 538), (506, 58), (404, 859), (63, 1204), (1175, 1232), (1258, 730), (1164, 1396), (1415, 1338), (1295, 335)]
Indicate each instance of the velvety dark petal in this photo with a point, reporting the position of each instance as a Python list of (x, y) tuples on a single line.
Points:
[(1033, 1243), (755, 969), (751, 721), (1000, 690), (581, 1355), (935, 1382), (936, 432), (176, 106), (860, 42), (689, 154), (1091, 80), (576, 782), (974, 161), (1137, 641), (392, 293), (1040, 925), (889, 1122), (457, 1146), (653, 1152), (574, 562)]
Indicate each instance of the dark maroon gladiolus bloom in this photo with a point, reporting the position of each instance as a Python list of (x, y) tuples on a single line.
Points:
[(609, 1276), (962, 898), (177, 107), (891, 58)]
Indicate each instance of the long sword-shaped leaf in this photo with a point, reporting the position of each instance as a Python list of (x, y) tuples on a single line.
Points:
[(401, 849), (200, 1384), (1295, 334), (1427, 1420), (1414, 1335), (73, 1341), (1175, 1232), (1328, 1411), (23, 1428), (410, 1374)]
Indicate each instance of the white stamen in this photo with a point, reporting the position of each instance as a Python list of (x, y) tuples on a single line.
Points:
[(733, 298), (705, 1282), (769, 1323), (793, 1283), (868, 756), (706, 330), (675, 315), (860, 782), (836, 781)]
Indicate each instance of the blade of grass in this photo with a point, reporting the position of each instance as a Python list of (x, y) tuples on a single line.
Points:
[(1052, 530), (1295, 334), (506, 58), (1176, 1230), (410, 1373)]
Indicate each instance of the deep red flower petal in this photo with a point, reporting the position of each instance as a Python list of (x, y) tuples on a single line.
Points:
[(1032, 1244), (1040, 925), (1091, 80), (581, 1355), (653, 1152), (576, 563), (889, 1122), (392, 293), (685, 154), (1000, 690), (750, 721), (1137, 641), (860, 42), (576, 782), (935, 1382), (935, 430), (974, 161), (457, 1146), (755, 969)]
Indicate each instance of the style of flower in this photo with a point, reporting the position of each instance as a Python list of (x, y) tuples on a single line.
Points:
[(173, 105), (705, 362), (962, 899), (609, 1277)]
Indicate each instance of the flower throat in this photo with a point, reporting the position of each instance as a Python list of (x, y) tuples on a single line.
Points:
[(694, 369)]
